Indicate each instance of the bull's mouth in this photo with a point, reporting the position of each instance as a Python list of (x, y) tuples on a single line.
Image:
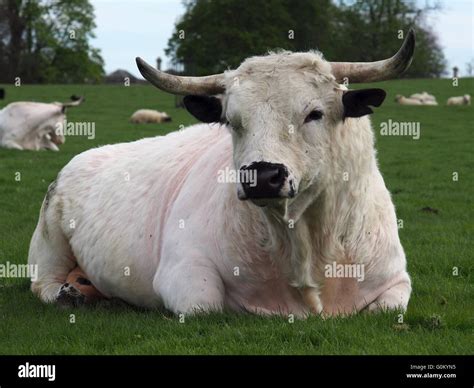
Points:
[(263, 199), (262, 202)]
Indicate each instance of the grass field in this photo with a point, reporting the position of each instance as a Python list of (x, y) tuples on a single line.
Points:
[(419, 173)]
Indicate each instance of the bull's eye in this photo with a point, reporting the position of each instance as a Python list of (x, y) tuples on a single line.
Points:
[(314, 115)]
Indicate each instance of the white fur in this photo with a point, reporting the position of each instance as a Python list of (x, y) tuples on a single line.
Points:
[(460, 100), (31, 126), (155, 208), (144, 116)]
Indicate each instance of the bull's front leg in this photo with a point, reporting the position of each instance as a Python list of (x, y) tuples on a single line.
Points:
[(189, 284), (395, 297), (49, 145), (12, 145), (312, 299)]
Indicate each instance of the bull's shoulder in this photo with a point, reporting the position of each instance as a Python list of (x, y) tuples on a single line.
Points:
[(160, 151)]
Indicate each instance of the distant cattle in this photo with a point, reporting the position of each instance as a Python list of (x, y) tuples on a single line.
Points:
[(460, 100), (402, 100), (33, 125), (425, 98), (149, 116), (2, 94)]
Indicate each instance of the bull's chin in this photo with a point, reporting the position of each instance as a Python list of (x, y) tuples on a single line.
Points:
[(271, 203)]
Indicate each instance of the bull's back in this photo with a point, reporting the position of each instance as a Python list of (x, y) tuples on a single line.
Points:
[(115, 202)]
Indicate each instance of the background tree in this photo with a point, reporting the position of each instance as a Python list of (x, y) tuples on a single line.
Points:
[(48, 41), (369, 31), (215, 34), (219, 34), (470, 67)]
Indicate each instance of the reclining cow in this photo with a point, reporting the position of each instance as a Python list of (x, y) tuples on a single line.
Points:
[(34, 125), (149, 116), (150, 223)]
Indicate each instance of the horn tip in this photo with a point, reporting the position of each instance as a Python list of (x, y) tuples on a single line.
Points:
[(411, 36), (142, 65), (139, 62), (408, 49)]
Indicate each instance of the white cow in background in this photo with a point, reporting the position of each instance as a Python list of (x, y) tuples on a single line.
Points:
[(149, 116), (34, 125), (316, 232), (459, 100), (402, 100), (425, 98), (415, 99)]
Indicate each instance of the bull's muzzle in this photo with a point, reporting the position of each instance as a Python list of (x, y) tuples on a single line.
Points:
[(264, 180)]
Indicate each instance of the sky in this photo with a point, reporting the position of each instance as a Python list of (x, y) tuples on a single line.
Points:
[(130, 28)]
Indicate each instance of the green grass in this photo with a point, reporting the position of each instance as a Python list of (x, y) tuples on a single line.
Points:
[(440, 316)]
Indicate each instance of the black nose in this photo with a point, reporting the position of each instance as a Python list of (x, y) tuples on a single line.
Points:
[(263, 180)]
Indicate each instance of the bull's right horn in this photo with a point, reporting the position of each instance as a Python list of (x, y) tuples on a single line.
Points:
[(377, 71), (208, 85)]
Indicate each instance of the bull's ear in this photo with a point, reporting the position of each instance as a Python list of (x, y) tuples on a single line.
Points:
[(356, 102), (207, 109)]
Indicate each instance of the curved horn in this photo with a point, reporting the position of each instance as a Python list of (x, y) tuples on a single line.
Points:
[(208, 85), (76, 101), (377, 71)]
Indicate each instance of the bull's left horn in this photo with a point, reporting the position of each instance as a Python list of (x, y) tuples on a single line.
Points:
[(356, 72), (208, 85)]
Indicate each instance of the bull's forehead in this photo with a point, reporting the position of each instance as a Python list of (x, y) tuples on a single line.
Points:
[(283, 84)]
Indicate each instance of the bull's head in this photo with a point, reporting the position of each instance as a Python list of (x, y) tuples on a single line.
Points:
[(281, 109)]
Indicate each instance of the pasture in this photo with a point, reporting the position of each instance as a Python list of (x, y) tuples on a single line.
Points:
[(419, 173)]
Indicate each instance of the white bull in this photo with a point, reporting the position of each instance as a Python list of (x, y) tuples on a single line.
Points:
[(310, 227), (33, 125)]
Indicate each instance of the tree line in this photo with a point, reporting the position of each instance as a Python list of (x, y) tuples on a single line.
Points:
[(48, 41), (214, 35)]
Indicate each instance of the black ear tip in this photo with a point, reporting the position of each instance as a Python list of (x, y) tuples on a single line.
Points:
[(357, 102), (189, 100), (207, 109), (382, 94)]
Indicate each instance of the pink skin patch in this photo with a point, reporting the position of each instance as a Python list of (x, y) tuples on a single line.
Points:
[(78, 279)]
